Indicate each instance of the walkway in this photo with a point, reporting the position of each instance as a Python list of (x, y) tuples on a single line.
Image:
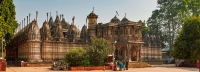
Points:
[(162, 68)]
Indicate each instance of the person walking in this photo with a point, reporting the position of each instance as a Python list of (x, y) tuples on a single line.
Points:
[(124, 63), (120, 65), (127, 63)]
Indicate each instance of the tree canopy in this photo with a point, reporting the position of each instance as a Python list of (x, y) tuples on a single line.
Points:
[(77, 57), (94, 53), (168, 18), (8, 24), (187, 43), (98, 50)]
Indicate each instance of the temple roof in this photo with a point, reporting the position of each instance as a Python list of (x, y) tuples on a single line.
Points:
[(115, 20), (124, 20), (65, 24), (92, 14)]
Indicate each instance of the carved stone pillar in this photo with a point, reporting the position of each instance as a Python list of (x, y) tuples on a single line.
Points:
[(128, 51), (125, 54)]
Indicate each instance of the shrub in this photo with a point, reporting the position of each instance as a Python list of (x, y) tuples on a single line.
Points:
[(98, 50), (76, 57)]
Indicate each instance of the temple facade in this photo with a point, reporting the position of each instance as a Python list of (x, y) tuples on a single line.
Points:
[(56, 37)]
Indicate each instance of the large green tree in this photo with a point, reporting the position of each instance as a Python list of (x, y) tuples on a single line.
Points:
[(187, 43), (168, 18), (98, 50), (77, 57), (8, 24)]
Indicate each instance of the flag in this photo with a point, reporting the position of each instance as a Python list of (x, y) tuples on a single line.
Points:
[(117, 13)]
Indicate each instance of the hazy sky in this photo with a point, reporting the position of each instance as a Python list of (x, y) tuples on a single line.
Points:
[(106, 9)]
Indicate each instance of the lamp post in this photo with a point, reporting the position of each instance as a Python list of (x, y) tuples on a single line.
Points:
[(114, 51)]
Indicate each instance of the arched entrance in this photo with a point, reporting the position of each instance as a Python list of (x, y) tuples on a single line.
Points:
[(130, 51)]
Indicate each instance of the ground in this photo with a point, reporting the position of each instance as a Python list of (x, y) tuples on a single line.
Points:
[(155, 68)]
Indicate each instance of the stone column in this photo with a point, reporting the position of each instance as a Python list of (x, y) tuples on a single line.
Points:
[(125, 54), (128, 52)]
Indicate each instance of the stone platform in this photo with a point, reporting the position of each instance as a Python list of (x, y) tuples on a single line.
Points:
[(138, 64)]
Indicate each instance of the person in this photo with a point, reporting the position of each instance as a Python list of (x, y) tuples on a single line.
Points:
[(127, 63), (120, 65), (124, 63), (112, 65), (115, 66)]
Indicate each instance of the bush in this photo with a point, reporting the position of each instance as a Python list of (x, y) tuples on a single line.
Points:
[(98, 51), (77, 57), (94, 53)]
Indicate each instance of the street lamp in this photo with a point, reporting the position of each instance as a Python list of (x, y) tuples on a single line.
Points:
[(114, 51)]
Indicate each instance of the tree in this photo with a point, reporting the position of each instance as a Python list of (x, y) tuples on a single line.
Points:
[(169, 16), (98, 50), (77, 57), (8, 24), (144, 27), (187, 42)]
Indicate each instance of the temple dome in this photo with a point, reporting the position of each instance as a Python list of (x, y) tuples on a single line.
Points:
[(115, 20), (92, 14), (124, 19)]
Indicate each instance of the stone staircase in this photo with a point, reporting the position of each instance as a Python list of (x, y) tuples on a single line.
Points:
[(138, 64)]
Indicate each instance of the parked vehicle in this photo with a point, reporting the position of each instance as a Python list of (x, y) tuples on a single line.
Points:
[(186, 63)]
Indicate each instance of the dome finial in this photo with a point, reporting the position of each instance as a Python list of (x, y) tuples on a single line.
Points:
[(125, 15), (117, 13), (73, 20), (29, 17), (36, 15), (47, 16), (93, 9)]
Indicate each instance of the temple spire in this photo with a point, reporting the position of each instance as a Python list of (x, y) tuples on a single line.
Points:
[(27, 21), (47, 16), (73, 20), (93, 9), (36, 15), (29, 17), (24, 22), (125, 15)]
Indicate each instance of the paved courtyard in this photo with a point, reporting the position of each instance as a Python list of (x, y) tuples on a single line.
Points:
[(162, 68)]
